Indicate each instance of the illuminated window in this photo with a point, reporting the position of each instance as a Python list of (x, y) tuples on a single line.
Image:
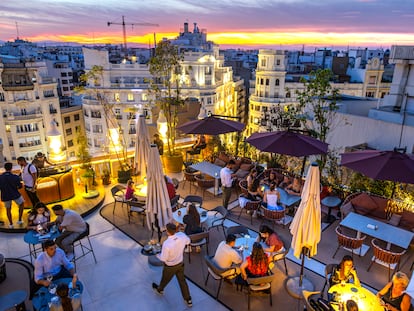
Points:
[(130, 97), (144, 97), (117, 98)]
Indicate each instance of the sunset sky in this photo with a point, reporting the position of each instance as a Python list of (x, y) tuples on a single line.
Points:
[(241, 23)]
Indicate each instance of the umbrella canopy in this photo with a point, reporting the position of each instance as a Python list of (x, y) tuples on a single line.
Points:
[(383, 165), (306, 225), (211, 126), (288, 143), (159, 211), (142, 147)]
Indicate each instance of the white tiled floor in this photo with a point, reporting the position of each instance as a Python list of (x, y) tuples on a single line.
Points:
[(121, 279)]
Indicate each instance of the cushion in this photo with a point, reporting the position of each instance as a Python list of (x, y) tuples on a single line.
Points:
[(395, 220), (220, 162), (246, 167), (241, 173), (407, 220), (364, 204), (347, 208)]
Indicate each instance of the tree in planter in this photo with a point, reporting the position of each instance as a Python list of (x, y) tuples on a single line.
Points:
[(115, 136), (165, 67)]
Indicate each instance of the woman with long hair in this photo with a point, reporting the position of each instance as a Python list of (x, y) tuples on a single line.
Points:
[(344, 272), (271, 239), (192, 221), (271, 198), (39, 215), (255, 265), (67, 300)]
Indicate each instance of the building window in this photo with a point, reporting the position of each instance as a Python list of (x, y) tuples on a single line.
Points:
[(370, 94), (70, 143), (263, 62), (97, 128), (66, 120), (277, 82), (288, 95), (144, 97), (130, 97), (72, 154), (117, 97), (372, 80), (76, 117), (278, 62), (1, 97), (63, 74), (267, 81), (69, 131)]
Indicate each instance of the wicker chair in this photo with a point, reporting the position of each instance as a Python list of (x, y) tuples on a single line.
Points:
[(385, 256), (243, 187), (252, 207), (190, 177), (348, 242), (273, 216), (204, 183)]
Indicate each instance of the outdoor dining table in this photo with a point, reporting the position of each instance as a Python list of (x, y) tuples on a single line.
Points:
[(377, 229), (365, 299), (212, 170), (35, 240), (43, 297), (179, 214)]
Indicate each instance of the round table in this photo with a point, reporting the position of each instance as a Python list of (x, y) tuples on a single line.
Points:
[(331, 202), (33, 238), (365, 299), (43, 296), (179, 214)]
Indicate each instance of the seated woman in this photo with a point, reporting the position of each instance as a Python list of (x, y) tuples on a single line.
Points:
[(393, 294), (271, 239), (295, 188), (129, 192), (251, 177), (39, 215), (271, 198), (67, 300), (255, 265), (170, 187), (344, 272), (271, 179), (198, 145), (285, 182), (192, 221)]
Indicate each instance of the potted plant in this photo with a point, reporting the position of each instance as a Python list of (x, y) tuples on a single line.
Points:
[(165, 68), (106, 177)]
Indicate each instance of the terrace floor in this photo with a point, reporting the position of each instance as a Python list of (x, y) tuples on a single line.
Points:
[(121, 279)]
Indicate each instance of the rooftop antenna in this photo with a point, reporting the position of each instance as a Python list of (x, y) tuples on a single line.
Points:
[(17, 30), (124, 30)]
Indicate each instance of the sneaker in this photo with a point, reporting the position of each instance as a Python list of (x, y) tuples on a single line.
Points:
[(155, 288), (11, 226), (189, 302), (20, 222)]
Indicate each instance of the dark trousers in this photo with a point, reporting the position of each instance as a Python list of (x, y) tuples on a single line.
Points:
[(178, 270), (66, 239), (32, 196), (226, 195)]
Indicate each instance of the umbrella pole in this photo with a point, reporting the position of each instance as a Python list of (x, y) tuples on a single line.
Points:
[(302, 267), (303, 166), (295, 285)]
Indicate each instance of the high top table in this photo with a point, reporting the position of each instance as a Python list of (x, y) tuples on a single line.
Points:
[(383, 231), (212, 170)]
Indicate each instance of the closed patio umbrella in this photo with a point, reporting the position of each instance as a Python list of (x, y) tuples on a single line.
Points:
[(306, 228), (142, 147), (159, 211)]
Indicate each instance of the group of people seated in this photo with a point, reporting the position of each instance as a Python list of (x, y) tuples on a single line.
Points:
[(265, 189), (227, 256), (130, 190), (393, 295)]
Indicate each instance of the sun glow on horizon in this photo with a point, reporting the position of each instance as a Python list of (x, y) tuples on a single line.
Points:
[(248, 38)]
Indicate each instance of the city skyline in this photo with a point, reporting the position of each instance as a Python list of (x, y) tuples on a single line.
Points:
[(247, 23)]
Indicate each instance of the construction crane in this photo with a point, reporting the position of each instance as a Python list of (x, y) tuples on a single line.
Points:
[(124, 30)]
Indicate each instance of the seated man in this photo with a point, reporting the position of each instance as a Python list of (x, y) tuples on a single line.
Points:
[(226, 256), (71, 224), (54, 262)]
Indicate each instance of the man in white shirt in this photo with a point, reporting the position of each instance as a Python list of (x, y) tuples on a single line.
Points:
[(226, 256), (72, 226), (29, 177), (172, 255), (226, 176)]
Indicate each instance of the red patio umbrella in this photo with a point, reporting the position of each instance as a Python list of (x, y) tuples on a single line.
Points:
[(211, 126), (288, 143), (383, 165)]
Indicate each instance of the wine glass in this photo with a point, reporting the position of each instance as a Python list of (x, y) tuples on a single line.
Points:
[(49, 276)]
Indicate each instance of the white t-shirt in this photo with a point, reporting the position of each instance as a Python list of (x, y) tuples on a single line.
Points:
[(225, 256), (27, 176), (173, 248)]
